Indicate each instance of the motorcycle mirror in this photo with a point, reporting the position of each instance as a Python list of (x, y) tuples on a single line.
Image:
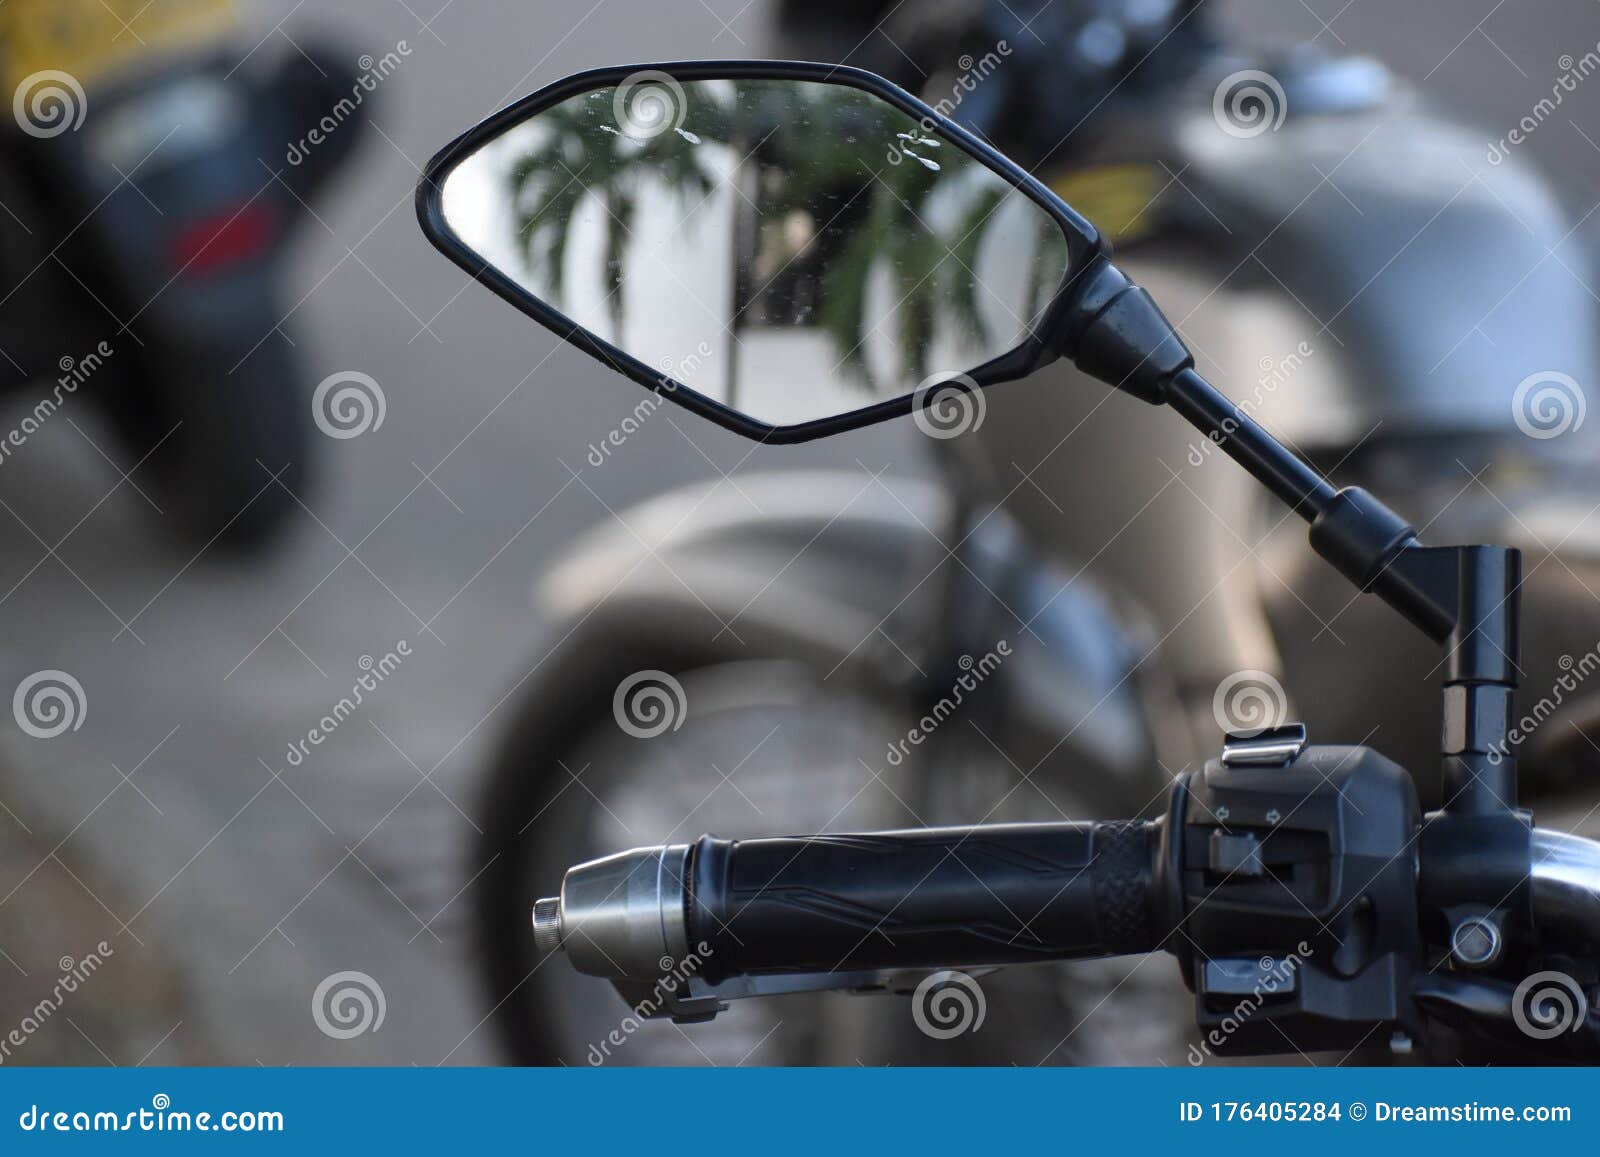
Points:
[(789, 249), (797, 249)]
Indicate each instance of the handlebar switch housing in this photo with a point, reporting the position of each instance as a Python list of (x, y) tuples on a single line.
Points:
[(1299, 878)]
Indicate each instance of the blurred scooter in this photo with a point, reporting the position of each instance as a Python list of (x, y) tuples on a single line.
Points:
[(150, 180)]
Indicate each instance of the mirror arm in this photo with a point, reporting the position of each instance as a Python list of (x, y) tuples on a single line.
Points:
[(1463, 597), (1112, 330)]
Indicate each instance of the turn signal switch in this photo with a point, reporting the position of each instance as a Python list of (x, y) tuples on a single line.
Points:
[(1298, 881)]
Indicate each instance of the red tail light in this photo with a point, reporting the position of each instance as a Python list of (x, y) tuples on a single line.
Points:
[(220, 240)]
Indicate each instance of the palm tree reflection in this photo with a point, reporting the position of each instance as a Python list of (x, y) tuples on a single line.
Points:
[(826, 227)]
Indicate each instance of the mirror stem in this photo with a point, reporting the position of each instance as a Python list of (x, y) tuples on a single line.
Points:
[(1463, 597), (1113, 330), (1279, 469)]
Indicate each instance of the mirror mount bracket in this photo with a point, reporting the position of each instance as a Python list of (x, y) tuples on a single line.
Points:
[(1114, 331)]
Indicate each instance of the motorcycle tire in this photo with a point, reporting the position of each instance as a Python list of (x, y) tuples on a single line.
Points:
[(570, 784), (765, 747)]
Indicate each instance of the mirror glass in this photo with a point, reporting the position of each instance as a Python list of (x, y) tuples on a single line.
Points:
[(791, 249)]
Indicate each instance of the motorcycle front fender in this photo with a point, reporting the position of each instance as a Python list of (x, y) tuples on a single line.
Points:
[(852, 576)]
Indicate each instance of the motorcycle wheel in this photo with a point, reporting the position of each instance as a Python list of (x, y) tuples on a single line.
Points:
[(765, 748), (762, 747)]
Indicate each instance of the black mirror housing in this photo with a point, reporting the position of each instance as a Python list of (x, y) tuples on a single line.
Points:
[(1041, 340)]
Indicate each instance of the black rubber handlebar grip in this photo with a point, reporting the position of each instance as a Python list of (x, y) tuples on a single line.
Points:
[(937, 897)]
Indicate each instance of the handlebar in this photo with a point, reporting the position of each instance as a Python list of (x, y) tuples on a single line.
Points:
[(999, 894), (1566, 885), (842, 904), (1311, 870)]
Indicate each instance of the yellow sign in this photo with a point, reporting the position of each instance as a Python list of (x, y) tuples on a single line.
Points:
[(87, 39), (1117, 198)]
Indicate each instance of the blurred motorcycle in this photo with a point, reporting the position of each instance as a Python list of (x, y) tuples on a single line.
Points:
[(1284, 203), (1307, 899), (152, 179)]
